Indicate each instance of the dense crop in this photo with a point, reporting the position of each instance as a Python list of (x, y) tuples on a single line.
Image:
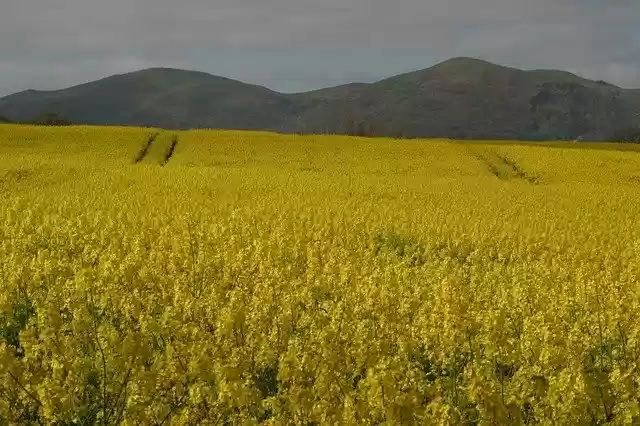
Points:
[(258, 278)]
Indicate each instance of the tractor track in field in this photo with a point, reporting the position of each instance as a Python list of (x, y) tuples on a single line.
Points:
[(145, 149), (170, 151), (504, 168)]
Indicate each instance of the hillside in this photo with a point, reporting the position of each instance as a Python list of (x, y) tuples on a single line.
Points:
[(159, 97), (458, 98), (467, 98)]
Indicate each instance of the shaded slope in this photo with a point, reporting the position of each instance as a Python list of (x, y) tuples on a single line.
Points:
[(469, 98), (458, 98), (160, 97)]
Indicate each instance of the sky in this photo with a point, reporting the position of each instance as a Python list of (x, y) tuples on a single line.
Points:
[(298, 45)]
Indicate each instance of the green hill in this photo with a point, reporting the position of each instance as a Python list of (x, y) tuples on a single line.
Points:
[(458, 98), (469, 98), (159, 97)]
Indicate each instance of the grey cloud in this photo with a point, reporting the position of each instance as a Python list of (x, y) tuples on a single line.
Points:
[(304, 44)]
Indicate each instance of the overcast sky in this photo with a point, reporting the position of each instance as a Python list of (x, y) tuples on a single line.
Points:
[(296, 45)]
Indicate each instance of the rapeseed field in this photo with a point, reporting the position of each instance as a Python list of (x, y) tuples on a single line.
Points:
[(220, 277)]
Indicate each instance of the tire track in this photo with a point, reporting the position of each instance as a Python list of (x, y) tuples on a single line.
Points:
[(170, 151), (145, 149), (504, 168), (520, 173)]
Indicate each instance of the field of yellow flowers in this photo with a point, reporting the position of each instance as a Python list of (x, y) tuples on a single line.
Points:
[(218, 277)]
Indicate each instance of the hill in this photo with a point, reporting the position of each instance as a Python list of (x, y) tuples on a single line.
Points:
[(458, 98), (469, 98), (161, 97)]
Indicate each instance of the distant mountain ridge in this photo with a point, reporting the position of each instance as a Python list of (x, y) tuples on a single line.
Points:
[(458, 98)]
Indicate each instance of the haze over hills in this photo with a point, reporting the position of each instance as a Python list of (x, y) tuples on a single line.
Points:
[(458, 98)]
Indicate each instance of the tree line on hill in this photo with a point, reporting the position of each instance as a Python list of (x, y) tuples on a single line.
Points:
[(43, 119), (369, 128), (350, 126), (627, 135)]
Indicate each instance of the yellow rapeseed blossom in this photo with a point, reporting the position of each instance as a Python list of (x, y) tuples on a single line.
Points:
[(208, 277)]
